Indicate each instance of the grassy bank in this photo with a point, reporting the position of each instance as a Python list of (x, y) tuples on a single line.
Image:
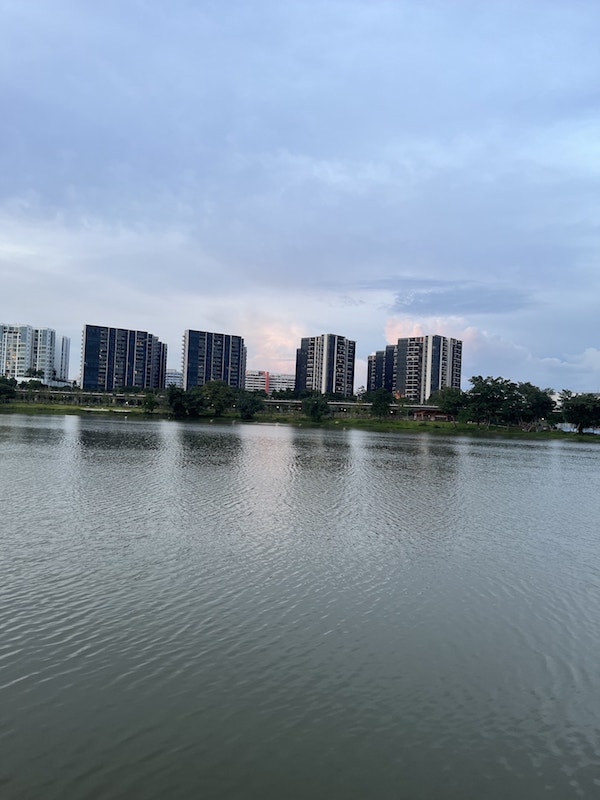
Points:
[(19, 407), (395, 425)]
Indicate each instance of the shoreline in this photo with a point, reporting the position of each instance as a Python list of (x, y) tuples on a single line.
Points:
[(375, 425)]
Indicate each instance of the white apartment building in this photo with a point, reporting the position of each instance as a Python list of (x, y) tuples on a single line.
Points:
[(27, 352)]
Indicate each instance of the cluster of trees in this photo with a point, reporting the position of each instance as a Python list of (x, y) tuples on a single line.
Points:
[(7, 389), (582, 410), (489, 401), (214, 398), (496, 401)]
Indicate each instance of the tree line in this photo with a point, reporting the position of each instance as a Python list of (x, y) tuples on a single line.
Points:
[(498, 401), (490, 401)]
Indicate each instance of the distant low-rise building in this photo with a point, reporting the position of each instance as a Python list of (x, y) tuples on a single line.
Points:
[(174, 377), (269, 382), (280, 382), (256, 380)]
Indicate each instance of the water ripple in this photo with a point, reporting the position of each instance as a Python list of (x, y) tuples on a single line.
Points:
[(271, 611)]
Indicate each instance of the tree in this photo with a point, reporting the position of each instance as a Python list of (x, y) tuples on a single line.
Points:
[(381, 401), (177, 401), (537, 404), (150, 403), (449, 400), (31, 384), (316, 407), (486, 398), (7, 392), (284, 394), (581, 410), (249, 403), (218, 396), (194, 401)]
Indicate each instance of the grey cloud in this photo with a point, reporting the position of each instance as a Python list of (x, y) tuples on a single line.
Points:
[(313, 146), (447, 299)]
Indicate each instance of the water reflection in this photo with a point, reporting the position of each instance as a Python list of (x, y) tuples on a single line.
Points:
[(255, 610)]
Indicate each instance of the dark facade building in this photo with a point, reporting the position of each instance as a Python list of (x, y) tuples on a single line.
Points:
[(381, 369), (112, 358), (416, 367), (326, 364), (213, 357)]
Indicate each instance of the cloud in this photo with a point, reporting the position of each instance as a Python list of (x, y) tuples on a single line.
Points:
[(430, 297), (289, 169)]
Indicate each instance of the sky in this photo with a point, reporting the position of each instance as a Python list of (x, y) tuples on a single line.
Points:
[(283, 168)]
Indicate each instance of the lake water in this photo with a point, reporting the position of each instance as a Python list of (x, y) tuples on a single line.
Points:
[(254, 611)]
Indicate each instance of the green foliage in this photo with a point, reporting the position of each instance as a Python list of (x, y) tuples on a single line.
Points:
[(449, 400), (218, 396), (381, 401), (582, 410), (194, 401), (315, 407), (131, 389), (214, 398), (32, 384), (250, 403), (489, 398), (536, 403), (176, 398), (150, 403), (7, 392), (496, 401)]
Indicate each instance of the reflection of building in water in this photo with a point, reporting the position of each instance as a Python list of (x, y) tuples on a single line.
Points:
[(269, 382), (112, 358), (416, 367), (325, 364), (213, 357), (38, 353)]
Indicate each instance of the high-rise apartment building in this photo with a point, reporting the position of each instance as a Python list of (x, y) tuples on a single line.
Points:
[(416, 367), (381, 369), (326, 364), (63, 355), (213, 357), (27, 352), (113, 358)]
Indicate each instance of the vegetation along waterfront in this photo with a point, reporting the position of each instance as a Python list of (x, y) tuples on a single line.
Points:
[(490, 404)]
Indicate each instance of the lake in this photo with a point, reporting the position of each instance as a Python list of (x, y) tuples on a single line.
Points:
[(268, 611)]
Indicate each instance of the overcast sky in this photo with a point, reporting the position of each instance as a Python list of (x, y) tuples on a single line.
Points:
[(283, 168)]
